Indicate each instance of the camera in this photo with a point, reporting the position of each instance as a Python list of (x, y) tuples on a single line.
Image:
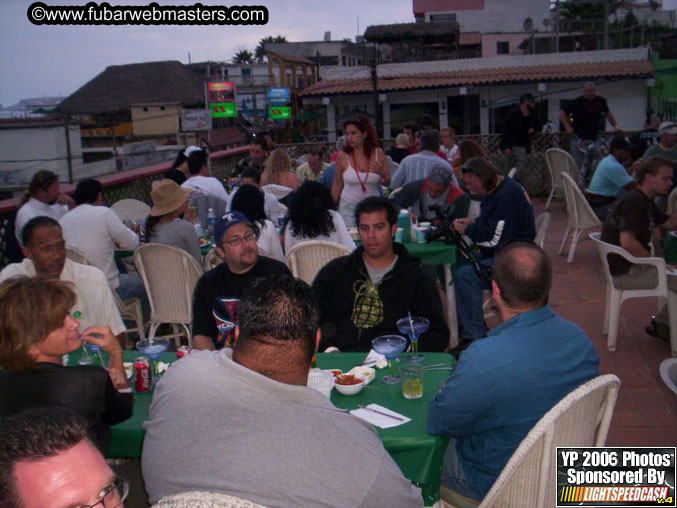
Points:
[(442, 227)]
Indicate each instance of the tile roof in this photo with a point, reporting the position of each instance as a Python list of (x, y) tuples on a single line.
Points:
[(531, 73), (292, 58)]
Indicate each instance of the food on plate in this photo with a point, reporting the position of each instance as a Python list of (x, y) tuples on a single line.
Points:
[(349, 379), (336, 372)]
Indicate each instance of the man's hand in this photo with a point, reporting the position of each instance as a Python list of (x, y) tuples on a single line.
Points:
[(65, 199), (618, 129), (190, 214), (203, 342), (460, 225)]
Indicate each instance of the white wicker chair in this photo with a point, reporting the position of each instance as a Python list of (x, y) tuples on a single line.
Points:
[(582, 418), (542, 224), (130, 309), (169, 275), (581, 216), (130, 210), (615, 297), (558, 161), (305, 259)]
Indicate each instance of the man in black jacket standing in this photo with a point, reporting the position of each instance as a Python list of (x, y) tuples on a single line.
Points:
[(362, 295), (519, 125)]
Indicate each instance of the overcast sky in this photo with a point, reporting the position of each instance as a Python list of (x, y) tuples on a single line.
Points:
[(38, 61)]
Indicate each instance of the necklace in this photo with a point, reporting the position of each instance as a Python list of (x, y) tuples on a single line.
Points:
[(357, 172)]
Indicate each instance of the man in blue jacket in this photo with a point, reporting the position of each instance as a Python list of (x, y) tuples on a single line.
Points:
[(506, 215), (504, 383)]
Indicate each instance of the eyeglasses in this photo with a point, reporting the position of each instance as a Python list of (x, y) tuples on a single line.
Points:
[(249, 237), (113, 495)]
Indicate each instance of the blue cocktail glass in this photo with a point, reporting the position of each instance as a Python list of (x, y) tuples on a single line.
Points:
[(390, 346), (153, 348), (413, 326)]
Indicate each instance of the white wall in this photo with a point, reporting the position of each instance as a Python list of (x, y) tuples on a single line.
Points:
[(626, 99), (504, 15), (37, 148)]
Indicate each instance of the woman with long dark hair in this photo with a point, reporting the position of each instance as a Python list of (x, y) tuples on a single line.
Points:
[(360, 168), (250, 201), (312, 216)]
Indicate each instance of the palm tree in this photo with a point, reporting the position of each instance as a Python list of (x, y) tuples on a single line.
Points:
[(260, 51), (244, 56)]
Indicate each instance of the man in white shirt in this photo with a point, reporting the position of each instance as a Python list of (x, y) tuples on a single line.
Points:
[(45, 252), (272, 207), (199, 180), (418, 166), (93, 230), (43, 198)]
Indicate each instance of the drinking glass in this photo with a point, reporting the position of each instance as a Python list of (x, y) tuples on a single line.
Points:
[(413, 326), (390, 346)]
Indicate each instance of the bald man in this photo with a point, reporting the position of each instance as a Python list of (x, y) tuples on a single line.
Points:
[(482, 405)]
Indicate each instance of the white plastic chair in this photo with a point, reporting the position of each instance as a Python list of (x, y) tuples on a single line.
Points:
[(558, 161), (305, 259), (615, 297), (130, 309), (582, 418), (581, 216), (169, 275), (668, 370), (542, 222), (130, 210)]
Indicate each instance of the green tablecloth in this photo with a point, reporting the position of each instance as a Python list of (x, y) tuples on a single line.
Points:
[(418, 454), (433, 253)]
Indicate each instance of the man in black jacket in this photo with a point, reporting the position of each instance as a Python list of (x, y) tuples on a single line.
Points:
[(519, 125), (362, 295)]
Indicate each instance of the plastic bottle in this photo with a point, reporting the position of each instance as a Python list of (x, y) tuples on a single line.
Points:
[(404, 222), (211, 220)]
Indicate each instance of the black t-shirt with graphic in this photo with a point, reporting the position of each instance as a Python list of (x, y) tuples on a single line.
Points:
[(217, 296)]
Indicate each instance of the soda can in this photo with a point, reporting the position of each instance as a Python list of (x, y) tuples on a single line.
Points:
[(182, 351), (143, 381)]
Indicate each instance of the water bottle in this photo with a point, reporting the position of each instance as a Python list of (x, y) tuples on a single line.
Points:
[(211, 220)]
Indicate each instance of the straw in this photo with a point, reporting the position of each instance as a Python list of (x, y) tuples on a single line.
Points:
[(411, 323)]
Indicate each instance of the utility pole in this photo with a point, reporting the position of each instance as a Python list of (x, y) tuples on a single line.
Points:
[(377, 113)]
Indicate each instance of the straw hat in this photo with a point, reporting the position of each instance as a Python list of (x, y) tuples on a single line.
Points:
[(167, 196)]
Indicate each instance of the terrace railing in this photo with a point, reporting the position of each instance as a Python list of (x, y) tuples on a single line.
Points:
[(137, 183)]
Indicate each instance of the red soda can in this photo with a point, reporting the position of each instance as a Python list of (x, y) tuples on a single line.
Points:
[(143, 381), (182, 351)]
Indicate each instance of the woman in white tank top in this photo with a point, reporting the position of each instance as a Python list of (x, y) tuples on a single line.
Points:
[(360, 168)]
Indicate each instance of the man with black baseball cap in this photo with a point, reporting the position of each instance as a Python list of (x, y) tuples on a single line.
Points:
[(611, 178), (217, 293)]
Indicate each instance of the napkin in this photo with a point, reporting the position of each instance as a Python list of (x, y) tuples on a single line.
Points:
[(374, 357), (381, 421)]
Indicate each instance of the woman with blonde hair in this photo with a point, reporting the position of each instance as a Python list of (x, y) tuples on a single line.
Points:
[(278, 170), (36, 330)]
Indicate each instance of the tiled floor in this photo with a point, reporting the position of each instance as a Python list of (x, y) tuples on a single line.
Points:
[(646, 411)]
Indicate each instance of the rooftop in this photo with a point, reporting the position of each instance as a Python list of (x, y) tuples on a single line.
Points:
[(527, 73), (119, 86)]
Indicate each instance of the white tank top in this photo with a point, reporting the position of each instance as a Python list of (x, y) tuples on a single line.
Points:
[(352, 188)]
